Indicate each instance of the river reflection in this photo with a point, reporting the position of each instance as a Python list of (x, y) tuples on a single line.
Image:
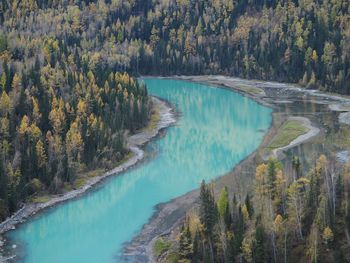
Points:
[(216, 130)]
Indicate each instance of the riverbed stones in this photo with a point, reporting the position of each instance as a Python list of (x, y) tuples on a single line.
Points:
[(344, 118), (343, 156)]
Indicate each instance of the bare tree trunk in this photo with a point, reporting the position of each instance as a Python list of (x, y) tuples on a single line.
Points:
[(273, 237), (347, 235), (315, 250), (330, 184), (211, 250), (333, 184), (298, 216), (285, 245), (223, 238), (273, 240)]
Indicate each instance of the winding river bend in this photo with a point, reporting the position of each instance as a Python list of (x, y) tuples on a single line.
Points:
[(216, 130)]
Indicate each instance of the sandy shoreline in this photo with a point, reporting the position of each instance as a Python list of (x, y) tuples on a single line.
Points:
[(134, 143)]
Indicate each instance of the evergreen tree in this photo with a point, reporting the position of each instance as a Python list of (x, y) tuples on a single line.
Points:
[(259, 251), (208, 210), (185, 245), (249, 205)]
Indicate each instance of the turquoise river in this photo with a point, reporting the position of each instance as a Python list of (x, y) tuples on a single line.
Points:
[(216, 129)]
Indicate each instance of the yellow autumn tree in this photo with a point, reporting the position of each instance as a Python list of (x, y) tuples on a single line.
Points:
[(57, 116), (245, 213), (5, 104), (321, 163), (74, 142), (34, 132), (247, 249), (4, 127), (81, 108), (260, 173), (327, 235), (3, 81), (23, 127), (40, 154), (14, 174), (36, 111), (278, 223), (16, 82)]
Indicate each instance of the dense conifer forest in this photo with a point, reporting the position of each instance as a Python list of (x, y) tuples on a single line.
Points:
[(301, 41), (64, 109), (291, 216)]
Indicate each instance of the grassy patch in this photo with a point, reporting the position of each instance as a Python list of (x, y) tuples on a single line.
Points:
[(82, 178), (289, 131), (126, 157), (250, 89), (95, 173), (40, 199), (79, 182), (172, 258), (160, 246)]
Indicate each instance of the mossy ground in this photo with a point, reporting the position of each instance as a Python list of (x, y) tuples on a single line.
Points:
[(249, 89), (40, 199), (161, 246), (165, 252), (289, 131)]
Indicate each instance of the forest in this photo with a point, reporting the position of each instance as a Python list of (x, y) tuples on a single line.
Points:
[(63, 109), (299, 41), (68, 96), (291, 216)]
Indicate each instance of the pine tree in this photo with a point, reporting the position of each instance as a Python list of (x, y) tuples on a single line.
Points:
[(3, 191), (249, 206), (259, 250), (224, 207), (185, 245), (208, 216), (197, 252), (3, 81), (271, 175), (208, 211)]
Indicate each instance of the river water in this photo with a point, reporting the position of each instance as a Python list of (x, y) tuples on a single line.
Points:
[(216, 129)]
